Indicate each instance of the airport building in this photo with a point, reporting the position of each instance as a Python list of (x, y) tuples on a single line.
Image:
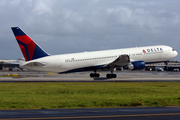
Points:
[(7, 66), (163, 67), (10, 64)]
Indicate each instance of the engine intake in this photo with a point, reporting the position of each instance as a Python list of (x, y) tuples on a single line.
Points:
[(137, 65)]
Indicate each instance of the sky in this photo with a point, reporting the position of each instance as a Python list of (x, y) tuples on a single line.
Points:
[(69, 26)]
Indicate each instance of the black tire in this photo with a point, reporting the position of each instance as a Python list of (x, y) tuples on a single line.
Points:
[(91, 75), (94, 75), (114, 75), (111, 75), (97, 75)]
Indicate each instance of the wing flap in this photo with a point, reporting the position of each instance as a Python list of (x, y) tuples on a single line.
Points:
[(121, 61)]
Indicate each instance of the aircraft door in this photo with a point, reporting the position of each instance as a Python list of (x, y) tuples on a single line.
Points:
[(58, 62)]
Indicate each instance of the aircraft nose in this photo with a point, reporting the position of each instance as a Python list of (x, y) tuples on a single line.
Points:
[(175, 53)]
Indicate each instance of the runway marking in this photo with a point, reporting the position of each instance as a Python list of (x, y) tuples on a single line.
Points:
[(78, 117)]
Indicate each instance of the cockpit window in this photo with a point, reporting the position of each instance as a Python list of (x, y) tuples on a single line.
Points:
[(172, 49)]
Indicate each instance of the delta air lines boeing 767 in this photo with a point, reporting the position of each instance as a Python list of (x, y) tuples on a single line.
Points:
[(129, 58)]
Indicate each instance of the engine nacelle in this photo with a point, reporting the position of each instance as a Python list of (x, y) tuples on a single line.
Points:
[(137, 65)]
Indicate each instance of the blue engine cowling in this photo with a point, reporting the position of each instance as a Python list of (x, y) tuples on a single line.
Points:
[(137, 65)]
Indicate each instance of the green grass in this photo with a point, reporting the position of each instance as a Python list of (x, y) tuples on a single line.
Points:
[(88, 95)]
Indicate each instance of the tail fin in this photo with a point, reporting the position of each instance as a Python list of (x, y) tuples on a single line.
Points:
[(29, 48)]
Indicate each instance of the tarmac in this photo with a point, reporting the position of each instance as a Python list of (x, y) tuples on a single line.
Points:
[(128, 76), (134, 113)]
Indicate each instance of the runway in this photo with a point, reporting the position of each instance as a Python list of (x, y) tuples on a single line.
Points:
[(140, 76), (140, 113), (45, 79)]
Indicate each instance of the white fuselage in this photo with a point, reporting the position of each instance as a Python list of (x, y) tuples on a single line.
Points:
[(68, 62)]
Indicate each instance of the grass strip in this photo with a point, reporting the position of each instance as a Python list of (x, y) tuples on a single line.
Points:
[(53, 95)]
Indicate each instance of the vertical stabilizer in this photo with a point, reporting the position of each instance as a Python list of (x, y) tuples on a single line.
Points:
[(29, 48)]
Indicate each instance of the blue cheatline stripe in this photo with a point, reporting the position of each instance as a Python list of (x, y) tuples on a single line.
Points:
[(17, 31), (26, 49), (83, 69), (38, 53)]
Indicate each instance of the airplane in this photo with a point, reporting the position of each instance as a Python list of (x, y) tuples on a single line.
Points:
[(130, 58), (18, 61)]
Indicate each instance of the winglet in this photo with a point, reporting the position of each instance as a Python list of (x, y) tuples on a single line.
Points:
[(29, 48)]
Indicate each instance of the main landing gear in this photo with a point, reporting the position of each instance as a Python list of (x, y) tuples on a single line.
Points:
[(94, 75), (112, 69), (111, 75)]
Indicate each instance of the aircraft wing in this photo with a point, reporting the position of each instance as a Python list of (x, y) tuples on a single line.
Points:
[(121, 61)]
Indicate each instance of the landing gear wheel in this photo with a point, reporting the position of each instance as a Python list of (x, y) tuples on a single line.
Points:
[(111, 75), (114, 75), (94, 75)]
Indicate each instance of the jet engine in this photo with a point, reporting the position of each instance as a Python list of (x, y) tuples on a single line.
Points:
[(137, 65)]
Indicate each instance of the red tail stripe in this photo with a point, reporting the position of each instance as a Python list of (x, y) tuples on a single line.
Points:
[(30, 45), (31, 48), (24, 38), (24, 53)]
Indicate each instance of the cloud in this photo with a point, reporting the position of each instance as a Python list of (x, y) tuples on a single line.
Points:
[(142, 3), (64, 26), (41, 7)]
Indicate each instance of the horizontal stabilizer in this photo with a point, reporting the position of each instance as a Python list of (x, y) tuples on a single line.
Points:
[(34, 64)]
